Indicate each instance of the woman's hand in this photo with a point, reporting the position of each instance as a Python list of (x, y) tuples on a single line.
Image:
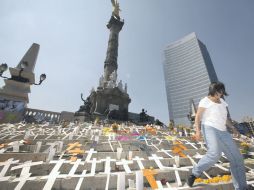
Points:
[(197, 136), (236, 133)]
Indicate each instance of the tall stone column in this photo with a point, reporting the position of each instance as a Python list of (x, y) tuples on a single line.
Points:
[(109, 100), (115, 25)]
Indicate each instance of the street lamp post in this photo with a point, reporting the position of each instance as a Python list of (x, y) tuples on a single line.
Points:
[(19, 78)]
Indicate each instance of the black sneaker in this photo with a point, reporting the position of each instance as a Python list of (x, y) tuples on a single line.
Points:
[(191, 180)]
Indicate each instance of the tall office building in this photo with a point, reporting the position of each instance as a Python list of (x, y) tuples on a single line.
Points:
[(188, 71)]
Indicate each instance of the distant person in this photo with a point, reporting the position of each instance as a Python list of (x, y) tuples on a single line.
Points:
[(211, 119)]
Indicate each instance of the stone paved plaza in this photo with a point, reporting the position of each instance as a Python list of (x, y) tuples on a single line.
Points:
[(95, 156)]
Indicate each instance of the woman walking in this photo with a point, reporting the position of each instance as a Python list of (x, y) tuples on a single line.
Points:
[(211, 119)]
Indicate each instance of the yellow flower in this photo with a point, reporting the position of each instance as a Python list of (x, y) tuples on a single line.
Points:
[(226, 178), (198, 180)]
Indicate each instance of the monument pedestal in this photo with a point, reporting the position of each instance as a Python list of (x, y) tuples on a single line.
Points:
[(111, 102), (83, 116)]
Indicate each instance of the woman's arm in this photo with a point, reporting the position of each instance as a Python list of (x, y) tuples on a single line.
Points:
[(197, 123), (230, 125)]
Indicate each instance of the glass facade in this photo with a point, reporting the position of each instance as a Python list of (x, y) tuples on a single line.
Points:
[(188, 71)]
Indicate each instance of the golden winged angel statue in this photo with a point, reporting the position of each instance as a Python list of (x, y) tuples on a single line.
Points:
[(116, 8)]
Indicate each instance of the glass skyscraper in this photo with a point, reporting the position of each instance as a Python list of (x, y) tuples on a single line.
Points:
[(188, 71)]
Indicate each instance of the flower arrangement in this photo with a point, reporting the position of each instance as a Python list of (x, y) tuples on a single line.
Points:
[(115, 127), (245, 147), (106, 130), (150, 129), (217, 179)]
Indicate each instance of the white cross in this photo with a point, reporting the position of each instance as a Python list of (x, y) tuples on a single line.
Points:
[(57, 161), (157, 161), (140, 164), (178, 179), (89, 154), (139, 180), (75, 166), (37, 147), (120, 144), (60, 146), (159, 184), (51, 145), (177, 161), (93, 167), (48, 136), (166, 152), (112, 136), (185, 131), (107, 164), (71, 135), (24, 175), (147, 142), (51, 154), (121, 181), (76, 130), (202, 145), (21, 180), (26, 167), (107, 182), (15, 145), (80, 180), (36, 136), (6, 165), (66, 135), (118, 153), (192, 144), (110, 145), (81, 134), (96, 138), (160, 140), (53, 174), (155, 146), (27, 134), (125, 165)]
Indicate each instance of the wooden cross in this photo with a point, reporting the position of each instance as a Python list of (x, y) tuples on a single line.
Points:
[(149, 174), (178, 148)]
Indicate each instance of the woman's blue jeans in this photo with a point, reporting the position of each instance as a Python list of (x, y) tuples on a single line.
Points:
[(217, 142)]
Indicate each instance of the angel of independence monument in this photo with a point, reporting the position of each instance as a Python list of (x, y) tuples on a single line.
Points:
[(110, 99)]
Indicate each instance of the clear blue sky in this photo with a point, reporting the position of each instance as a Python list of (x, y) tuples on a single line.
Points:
[(73, 39)]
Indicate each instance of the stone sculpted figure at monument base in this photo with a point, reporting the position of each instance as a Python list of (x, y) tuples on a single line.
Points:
[(87, 105), (120, 85), (113, 76), (101, 81)]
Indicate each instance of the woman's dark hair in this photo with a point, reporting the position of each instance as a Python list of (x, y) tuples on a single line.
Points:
[(217, 87)]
